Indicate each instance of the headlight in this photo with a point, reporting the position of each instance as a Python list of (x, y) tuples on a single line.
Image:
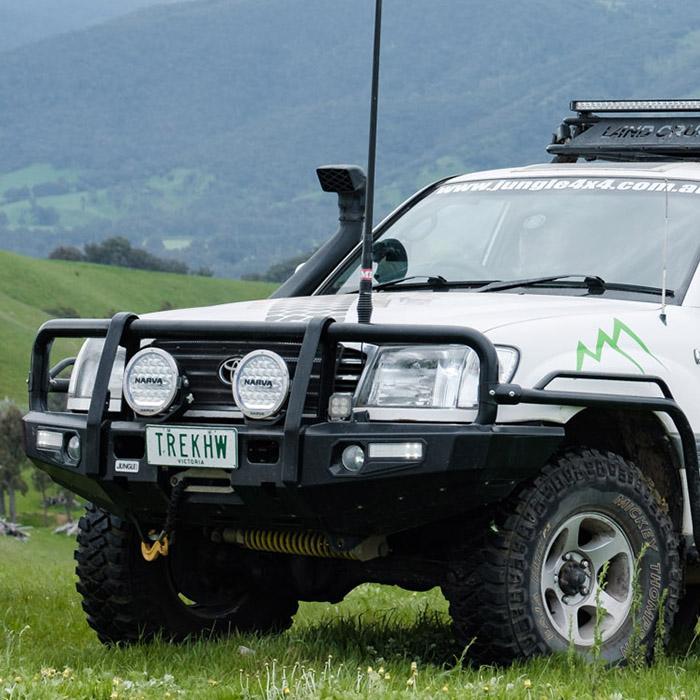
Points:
[(151, 381), (82, 379), (261, 384), (429, 376)]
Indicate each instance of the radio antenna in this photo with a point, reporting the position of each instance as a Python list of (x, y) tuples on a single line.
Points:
[(364, 302), (664, 273)]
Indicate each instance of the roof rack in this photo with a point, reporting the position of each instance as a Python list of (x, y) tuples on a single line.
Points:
[(653, 137)]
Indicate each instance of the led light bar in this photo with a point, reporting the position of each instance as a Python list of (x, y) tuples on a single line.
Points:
[(635, 106), (412, 451), (49, 440)]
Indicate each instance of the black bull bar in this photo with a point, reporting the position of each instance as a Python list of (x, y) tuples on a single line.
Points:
[(323, 335)]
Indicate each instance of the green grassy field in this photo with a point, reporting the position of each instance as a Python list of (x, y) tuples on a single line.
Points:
[(32, 291), (380, 642)]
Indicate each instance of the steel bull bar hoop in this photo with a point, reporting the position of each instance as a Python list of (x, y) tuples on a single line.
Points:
[(317, 335), (38, 382)]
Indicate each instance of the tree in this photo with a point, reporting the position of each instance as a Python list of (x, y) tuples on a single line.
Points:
[(44, 216), (69, 503), (66, 252), (117, 250), (279, 272), (12, 457), (16, 194), (42, 483)]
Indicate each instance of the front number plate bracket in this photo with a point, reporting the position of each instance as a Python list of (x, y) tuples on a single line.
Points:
[(185, 446)]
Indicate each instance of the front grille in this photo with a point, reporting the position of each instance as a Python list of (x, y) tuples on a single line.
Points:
[(200, 361), (348, 369)]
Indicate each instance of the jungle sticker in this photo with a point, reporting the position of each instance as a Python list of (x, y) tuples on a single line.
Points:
[(571, 185), (127, 466)]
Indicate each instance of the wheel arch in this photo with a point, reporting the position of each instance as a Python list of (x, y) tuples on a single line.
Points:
[(640, 437)]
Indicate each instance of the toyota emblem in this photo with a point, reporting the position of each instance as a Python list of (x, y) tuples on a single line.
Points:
[(227, 368)]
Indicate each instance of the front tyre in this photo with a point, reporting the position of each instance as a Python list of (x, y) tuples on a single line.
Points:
[(530, 585), (127, 599)]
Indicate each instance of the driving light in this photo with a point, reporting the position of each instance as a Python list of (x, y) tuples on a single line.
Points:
[(635, 106), (410, 451), (49, 440), (151, 381), (73, 448), (340, 406), (261, 384), (353, 458)]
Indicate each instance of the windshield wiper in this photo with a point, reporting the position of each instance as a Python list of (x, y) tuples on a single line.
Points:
[(432, 282), (594, 284), (639, 288)]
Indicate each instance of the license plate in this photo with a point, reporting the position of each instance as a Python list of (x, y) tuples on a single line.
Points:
[(179, 446)]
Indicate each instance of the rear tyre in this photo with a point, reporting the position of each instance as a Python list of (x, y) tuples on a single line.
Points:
[(127, 599), (528, 586)]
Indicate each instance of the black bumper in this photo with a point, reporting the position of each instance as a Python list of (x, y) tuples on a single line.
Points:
[(463, 467)]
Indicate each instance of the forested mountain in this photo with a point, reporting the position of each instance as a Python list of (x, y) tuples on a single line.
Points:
[(195, 127), (25, 21)]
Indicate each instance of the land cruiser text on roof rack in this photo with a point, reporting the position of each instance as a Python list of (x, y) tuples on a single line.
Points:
[(625, 138)]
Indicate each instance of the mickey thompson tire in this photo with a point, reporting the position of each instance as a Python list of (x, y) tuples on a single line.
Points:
[(529, 583), (127, 599)]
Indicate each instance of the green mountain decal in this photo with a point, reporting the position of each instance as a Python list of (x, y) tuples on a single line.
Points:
[(612, 341)]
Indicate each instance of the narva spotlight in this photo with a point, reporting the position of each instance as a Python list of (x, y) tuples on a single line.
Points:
[(151, 381)]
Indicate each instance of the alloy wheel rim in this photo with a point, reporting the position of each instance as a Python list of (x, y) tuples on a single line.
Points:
[(576, 557)]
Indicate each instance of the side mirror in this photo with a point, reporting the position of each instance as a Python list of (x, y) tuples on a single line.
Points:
[(391, 258)]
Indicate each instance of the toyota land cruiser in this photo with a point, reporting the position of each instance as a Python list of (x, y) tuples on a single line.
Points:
[(517, 425)]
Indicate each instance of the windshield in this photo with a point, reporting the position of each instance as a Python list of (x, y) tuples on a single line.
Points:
[(526, 228)]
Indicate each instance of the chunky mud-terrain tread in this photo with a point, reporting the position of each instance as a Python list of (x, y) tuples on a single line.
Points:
[(128, 600), (113, 608), (487, 590)]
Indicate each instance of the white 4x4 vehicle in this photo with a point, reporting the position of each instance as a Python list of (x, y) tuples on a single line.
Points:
[(517, 424)]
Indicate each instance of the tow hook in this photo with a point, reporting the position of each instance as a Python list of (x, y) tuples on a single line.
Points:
[(158, 548), (155, 546)]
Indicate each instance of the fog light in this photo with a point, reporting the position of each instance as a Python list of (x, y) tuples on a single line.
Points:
[(353, 458), (49, 440), (411, 451), (73, 449), (340, 406)]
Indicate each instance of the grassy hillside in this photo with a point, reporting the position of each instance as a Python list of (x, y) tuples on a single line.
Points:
[(31, 291), (194, 128)]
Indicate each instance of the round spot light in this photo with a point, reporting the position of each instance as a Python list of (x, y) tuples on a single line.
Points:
[(353, 458), (151, 381), (73, 448), (261, 384)]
